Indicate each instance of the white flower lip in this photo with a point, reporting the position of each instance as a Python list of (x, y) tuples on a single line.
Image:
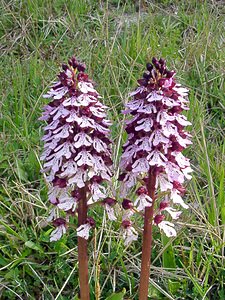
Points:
[(145, 124), (154, 96), (143, 201), (84, 231), (110, 212), (57, 233), (98, 191), (168, 228)]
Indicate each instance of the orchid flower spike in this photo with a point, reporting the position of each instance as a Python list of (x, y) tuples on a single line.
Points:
[(77, 147), (156, 138)]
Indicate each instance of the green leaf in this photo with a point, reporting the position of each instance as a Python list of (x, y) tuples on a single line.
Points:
[(168, 253), (10, 230), (12, 273), (20, 172), (3, 261), (33, 246), (169, 262), (117, 296)]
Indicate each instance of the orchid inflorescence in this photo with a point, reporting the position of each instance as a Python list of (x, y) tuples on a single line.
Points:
[(77, 149), (156, 138)]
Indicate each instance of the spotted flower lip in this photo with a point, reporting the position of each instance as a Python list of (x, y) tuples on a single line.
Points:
[(77, 148), (156, 138)]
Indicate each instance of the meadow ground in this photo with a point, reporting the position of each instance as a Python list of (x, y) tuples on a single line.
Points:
[(115, 39)]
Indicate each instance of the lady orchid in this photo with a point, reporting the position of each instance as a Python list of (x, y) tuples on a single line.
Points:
[(77, 155), (152, 157)]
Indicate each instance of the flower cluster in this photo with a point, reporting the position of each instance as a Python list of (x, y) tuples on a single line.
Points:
[(77, 149), (156, 138)]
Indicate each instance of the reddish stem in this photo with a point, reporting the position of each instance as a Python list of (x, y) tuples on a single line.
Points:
[(147, 241), (82, 248)]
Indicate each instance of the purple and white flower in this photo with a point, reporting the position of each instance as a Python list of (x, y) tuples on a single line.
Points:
[(76, 143), (168, 228), (128, 232), (84, 229), (60, 225), (143, 200), (156, 138), (108, 204)]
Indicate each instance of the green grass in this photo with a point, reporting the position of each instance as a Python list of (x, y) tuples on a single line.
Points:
[(115, 39)]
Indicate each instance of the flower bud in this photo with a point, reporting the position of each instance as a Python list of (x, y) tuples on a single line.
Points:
[(149, 67), (90, 221), (146, 76), (170, 74), (154, 61), (162, 61)]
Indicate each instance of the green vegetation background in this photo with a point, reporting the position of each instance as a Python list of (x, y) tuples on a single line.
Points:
[(115, 39)]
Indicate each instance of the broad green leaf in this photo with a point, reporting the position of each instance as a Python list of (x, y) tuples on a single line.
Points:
[(117, 296), (168, 254)]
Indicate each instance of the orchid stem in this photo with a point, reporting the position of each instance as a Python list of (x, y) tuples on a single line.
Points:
[(147, 240), (82, 248)]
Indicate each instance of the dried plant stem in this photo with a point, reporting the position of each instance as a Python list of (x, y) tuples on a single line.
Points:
[(82, 249), (147, 241)]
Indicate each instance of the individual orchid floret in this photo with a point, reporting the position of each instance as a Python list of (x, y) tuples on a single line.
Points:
[(168, 228), (129, 233), (165, 206), (84, 229), (156, 137), (143, 200), (108, 204), (77, 147), (60, 225), (128, 206), (158, 219)]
